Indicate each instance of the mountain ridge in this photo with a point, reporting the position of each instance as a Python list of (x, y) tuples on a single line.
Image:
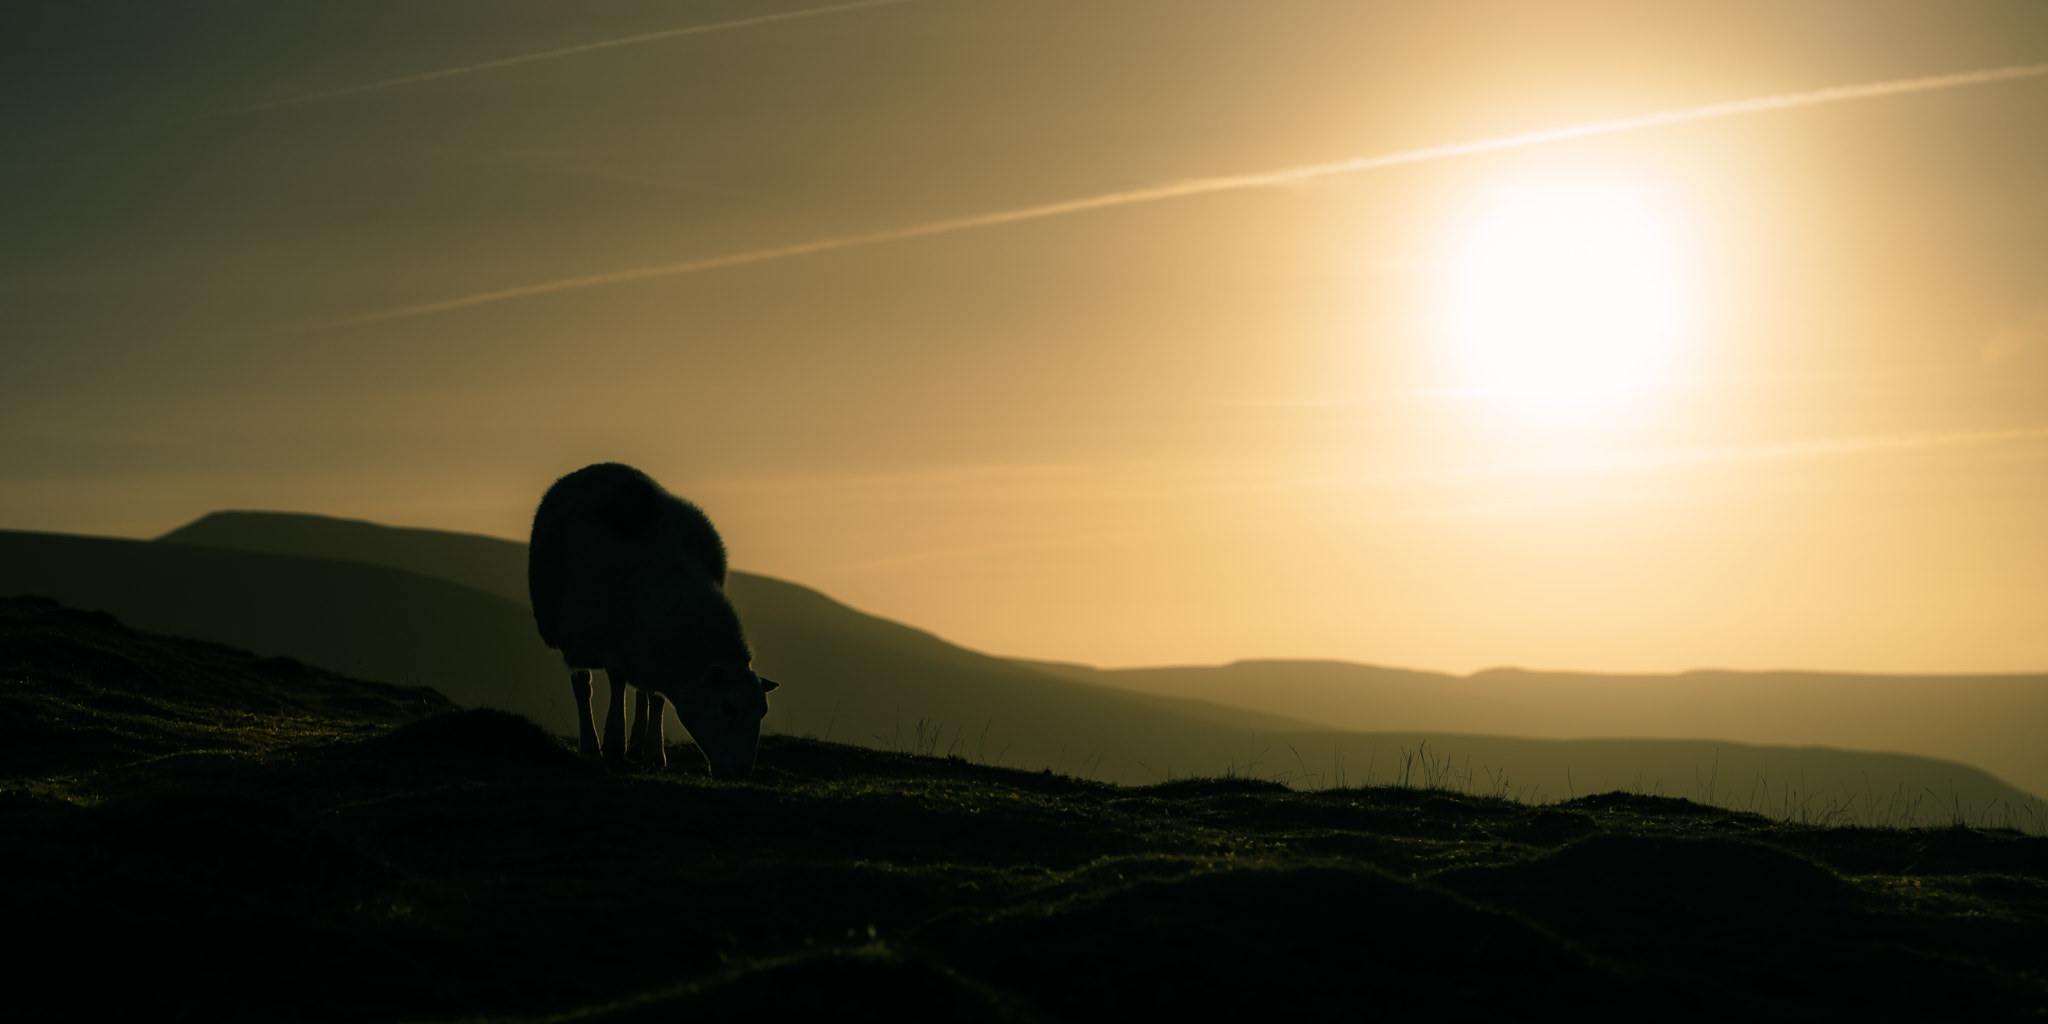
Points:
[(888, 684)]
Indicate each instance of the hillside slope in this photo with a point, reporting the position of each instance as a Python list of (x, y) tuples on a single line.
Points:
[(874, 680), (365, 621), (272, 842), (858, 678), (868, 679), (1993, 722), (847, 675), (488, 564)]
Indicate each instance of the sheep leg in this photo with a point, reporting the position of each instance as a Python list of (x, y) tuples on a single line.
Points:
[(638, 751), (655, 753), (586, 730), (615, 719)]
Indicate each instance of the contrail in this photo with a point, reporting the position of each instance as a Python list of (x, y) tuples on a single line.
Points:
[(1205, 186), (694, 30)]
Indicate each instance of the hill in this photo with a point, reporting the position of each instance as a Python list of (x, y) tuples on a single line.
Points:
[(443, 609), (355, 852), (362, 620), (846, 674), (1993, 722), (1318, 720), (488, 564)]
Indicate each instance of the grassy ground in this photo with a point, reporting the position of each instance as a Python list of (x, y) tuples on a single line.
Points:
[(192, 833)]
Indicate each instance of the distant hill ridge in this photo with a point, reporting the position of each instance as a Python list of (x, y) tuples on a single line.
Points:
[(447, 609), (363, 599), (488, 564), (1994, 721)]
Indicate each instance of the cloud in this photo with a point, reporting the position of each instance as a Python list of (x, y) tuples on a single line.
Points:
[(1205, 186), (491, 65)]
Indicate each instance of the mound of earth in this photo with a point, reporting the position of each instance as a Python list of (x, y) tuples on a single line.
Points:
[(79, 691)]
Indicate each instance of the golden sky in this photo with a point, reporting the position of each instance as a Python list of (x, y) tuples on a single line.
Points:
[(1753, 391)]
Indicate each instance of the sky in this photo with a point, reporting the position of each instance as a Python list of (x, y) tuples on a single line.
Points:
[(1762, 390)]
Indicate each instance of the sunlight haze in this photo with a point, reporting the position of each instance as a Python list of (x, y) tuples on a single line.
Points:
[(928, 305), (1564, 291)]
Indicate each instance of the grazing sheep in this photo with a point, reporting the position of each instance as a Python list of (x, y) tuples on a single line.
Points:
[(629, 578)]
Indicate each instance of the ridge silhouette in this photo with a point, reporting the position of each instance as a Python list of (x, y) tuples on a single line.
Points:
[(361, 606), (257, 839)]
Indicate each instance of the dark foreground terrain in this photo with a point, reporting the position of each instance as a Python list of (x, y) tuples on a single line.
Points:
[(188, 832)]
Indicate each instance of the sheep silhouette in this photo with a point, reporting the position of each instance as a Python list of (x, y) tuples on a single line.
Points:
[(627, 577)]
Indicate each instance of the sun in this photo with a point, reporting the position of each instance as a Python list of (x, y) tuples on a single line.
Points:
[(1564, 291)]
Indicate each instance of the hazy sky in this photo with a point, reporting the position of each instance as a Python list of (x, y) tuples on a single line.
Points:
[(1758, 391)]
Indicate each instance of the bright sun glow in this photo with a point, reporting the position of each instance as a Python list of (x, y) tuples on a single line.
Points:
[(1565, 292)]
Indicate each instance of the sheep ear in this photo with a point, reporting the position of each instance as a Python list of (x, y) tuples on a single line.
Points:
[(768, 685)]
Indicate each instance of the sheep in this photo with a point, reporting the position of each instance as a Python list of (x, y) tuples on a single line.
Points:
[(627, 577)]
